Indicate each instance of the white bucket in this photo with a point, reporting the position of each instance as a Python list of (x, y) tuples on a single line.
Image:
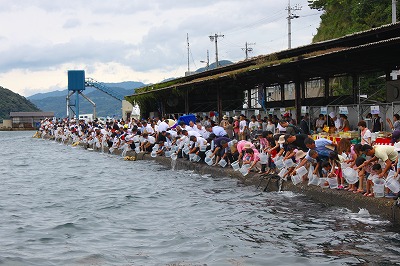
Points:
[(263, 158), (244, 169), (191, 156), (288, 163), (167, 154), (235, 165), (296, 179), (279, 163), (283, 172), (393, 185), (186, 150), (301, 171), (156, 146), (350, 175), (313, 180), (379, 188), (137, 149), (208, 154), (196, 158), (174, 156), (333, 184), (222, 163), (322, 182), (208, 160), (153, 154), (203, 147)]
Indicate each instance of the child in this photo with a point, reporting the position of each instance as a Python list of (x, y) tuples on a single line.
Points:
[(336, 168)]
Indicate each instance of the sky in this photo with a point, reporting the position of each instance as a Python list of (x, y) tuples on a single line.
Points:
[(137, 40)]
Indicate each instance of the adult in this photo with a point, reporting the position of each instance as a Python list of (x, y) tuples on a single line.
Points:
[(243, 128), (385, 153), (396, 122), (297, 140), (322, 146), (377, 124), (304, 124), (365, 133), (319, 123)]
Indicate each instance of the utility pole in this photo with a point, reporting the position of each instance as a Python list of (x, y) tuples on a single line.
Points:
[(207, 62), (215, 38), (289, 18), (394, 18), (188, 52), (248, 49)]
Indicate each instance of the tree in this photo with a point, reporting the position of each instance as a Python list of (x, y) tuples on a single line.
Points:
[(342, 17)]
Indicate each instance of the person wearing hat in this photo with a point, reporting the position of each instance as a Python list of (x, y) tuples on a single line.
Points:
[(300, 155), (242, 145), (224, 121)]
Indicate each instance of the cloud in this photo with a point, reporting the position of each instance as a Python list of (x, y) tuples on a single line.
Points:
[(72, 23)]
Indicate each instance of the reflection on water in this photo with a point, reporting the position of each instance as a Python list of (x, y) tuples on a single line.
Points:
[(66, 206)]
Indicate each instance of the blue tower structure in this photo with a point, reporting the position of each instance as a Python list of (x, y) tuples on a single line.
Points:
[(77, 84)]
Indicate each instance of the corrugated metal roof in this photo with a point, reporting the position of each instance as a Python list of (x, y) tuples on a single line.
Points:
[(31, 114)]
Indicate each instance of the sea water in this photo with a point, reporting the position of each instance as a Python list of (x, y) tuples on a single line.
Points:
[(62, 205)]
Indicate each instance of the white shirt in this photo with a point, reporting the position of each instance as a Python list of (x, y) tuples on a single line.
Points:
[(162, 127), (242, 125), (219, 131)]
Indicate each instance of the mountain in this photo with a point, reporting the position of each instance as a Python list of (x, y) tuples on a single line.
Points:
[(105, 105), (13, 102), (213, 65)]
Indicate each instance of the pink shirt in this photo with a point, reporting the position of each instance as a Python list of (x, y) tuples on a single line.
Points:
[(240, 145), (253, 157)]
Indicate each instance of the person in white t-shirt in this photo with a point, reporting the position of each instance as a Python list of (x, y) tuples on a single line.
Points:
[(242, 127)]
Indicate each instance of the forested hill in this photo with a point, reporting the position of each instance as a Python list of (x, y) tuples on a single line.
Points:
[(13, 102), (342, 17)]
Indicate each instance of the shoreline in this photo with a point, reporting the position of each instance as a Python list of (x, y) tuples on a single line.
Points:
[(384, 207)]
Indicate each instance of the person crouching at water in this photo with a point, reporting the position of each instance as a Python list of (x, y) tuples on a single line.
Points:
[(197, 142), (251, 157), (220, 150), (147, 142)]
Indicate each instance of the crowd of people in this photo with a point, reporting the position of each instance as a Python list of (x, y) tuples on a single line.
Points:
[(263, 145)]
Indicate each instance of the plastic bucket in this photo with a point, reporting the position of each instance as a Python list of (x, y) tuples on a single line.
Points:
[(191, 156), (186, 150), (196, 158), (263, 158), (322, 182), (222, 163), (174, 156), (313, 180), (156, 146), (301, 171), (208, 154), (333, 184), (167, 154), (137, 150), (208, 160), (296, 179), (379, 188), (350, 175), (289, 163), (283, 172), (235, 165), (153, 154), (279, 163), (393, 185), (203, 147), (244, 169)]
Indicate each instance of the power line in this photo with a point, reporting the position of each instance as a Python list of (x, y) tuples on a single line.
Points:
[(248, 49), (215, 39)]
